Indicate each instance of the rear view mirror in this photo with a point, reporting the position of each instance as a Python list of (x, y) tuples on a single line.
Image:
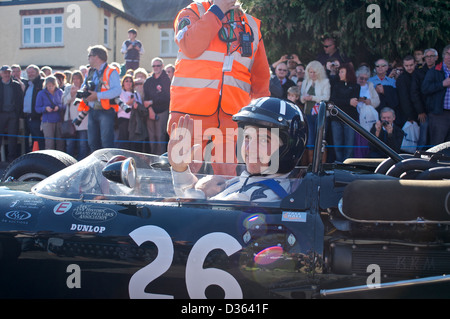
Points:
[(123, 171)]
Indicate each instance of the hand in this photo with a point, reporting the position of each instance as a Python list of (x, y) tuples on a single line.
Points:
[(354, 102), (73, 90), (308, 98), (422, 117), (211, 185), (93, 97), (379, 88), (48, 109), (378, 128), (179, 150), (131, 101), (446, 83), (151, 113), (296, 59), (389, 128), (226, 5)]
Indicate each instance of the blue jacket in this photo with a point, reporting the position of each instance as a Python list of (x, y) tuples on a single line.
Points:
[(433, 89), (43, 100)]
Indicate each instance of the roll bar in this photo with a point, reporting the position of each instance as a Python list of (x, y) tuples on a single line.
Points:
[(341, 115)]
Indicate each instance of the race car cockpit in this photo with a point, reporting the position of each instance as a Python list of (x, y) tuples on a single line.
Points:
[(126, 176)]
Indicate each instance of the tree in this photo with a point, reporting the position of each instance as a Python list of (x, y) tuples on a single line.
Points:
[(297, 26)]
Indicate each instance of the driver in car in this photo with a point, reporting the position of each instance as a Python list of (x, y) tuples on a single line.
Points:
[(272, 135)]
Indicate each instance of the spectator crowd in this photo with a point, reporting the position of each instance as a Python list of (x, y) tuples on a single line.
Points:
[(405, 102), (388, 98)]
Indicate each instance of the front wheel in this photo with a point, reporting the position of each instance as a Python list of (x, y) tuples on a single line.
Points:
[(38, 165)]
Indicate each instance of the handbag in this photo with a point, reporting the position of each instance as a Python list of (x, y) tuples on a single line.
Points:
[(411, 137), (67, 127), (368, 116)]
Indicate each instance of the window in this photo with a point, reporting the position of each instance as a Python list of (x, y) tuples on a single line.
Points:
[(106, 31), (42, 30), (168, 47)]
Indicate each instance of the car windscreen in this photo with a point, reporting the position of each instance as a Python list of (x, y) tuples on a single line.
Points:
[(154, 182)]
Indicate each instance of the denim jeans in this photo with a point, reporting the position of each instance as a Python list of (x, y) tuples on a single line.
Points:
[(33, 128), (312, 130), (80, 144), (422, 143), (343, 140), (101, 129)]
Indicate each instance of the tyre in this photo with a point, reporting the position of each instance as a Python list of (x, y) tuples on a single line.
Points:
[(38, 165), (443, 149)]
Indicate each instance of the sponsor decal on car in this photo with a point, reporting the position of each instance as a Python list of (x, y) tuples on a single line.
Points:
[(299, 217), (92, 213), (88, 228), (62, 208), (17, 217)]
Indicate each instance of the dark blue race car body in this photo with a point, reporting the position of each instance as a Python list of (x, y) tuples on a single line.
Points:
[(345, 230)]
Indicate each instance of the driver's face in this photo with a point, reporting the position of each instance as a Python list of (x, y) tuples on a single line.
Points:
[(258, 146)]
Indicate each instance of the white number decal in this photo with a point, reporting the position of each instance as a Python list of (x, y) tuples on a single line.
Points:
[(197, 277), (159, 266)]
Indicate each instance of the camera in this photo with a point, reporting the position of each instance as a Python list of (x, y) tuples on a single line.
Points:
[(82, 94), (385, 123), (125, 107), (79, 118)]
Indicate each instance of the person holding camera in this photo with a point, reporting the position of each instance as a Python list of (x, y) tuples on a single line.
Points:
[(280, 83), (77, 147), (132, 49), (102, 84), (129, 97), (387, 131), (49, 104)]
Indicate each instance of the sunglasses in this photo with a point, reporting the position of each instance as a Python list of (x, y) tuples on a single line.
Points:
[(156, 65), (327, 46)]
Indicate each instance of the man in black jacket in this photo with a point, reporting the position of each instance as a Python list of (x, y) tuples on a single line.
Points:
[(436, 86), (157, 100), (418, 98), (32, 119), (386, 130), (11, 103), (407, 110)]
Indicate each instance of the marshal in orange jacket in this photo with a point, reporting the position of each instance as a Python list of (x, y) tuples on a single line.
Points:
[(211, 72)]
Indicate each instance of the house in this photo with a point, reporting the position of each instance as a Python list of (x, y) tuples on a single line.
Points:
[(58, 33)]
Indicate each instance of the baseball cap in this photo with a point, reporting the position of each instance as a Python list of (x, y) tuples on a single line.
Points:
[(6, 68)]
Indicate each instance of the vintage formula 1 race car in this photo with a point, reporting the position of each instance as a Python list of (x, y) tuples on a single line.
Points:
[(111, 226)]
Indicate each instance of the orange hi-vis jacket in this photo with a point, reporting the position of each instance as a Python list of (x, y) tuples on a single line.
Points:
[(201, 84), (106, 104)]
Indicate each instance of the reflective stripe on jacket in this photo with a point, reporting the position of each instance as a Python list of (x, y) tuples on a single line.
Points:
[(200, 86), (106, 105)]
